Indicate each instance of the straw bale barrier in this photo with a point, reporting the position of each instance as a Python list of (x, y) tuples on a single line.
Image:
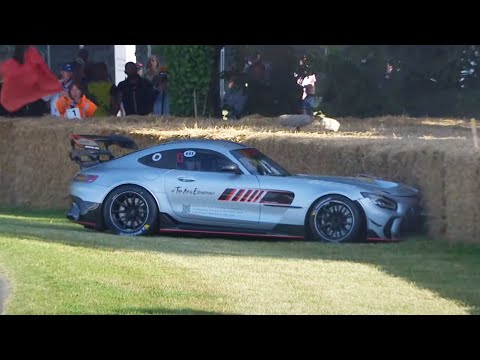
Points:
[(435, 155)]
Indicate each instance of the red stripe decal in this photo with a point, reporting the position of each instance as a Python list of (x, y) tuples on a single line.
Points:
[(226, 194), (240, 192), (247, 194), (252, 196), (258, 196), (231, 194)]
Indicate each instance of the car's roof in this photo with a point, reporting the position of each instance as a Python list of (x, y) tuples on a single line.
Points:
[(202, 143)]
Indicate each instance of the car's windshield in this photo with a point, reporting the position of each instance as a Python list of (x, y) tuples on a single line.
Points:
[(258, 163)]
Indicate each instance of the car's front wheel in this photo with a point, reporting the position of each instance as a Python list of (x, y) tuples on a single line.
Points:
[(334, 219), (130, 210)]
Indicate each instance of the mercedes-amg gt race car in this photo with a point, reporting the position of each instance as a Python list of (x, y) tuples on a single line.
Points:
[(222, 187)]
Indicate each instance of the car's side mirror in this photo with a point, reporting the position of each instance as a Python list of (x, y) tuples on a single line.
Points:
[(232, 167)]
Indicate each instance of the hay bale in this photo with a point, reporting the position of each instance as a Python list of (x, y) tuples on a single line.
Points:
[(462, 187), (43, 178), (295, 121), (7, 165), (423, 167)]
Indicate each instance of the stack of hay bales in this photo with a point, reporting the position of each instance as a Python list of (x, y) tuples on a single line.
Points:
[(35, 169)]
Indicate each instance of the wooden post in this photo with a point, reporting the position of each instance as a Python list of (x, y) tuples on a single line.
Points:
[(205, 105), (194, 102), (474, 133)]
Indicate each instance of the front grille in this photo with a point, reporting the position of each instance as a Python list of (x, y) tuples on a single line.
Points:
[(412, 222), (387, 229)]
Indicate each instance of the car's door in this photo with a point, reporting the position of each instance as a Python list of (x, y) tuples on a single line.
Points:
[(278, 204), (278, 192), (198, 190)]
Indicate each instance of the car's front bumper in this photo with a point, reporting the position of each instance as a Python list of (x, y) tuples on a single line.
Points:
[(388, 225)]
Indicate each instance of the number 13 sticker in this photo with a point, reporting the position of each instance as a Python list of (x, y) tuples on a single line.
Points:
[(73, 113)]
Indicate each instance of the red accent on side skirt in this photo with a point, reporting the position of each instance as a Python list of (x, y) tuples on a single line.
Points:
[(85, 223), (230, 233), (385, 240)]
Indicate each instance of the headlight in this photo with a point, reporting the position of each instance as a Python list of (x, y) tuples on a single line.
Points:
[(381, 201)]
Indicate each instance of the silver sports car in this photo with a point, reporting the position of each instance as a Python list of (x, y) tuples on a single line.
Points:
[(222, 187)]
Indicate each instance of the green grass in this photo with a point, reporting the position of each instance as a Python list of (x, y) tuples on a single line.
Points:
[(55, 267)]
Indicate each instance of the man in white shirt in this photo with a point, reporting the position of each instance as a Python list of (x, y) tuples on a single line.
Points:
[(66, 79)]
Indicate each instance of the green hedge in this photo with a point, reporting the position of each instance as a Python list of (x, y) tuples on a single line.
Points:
[(190, 69)]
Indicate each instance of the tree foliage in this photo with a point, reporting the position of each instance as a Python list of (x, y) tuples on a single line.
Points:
[(190, 69), (433, 80)]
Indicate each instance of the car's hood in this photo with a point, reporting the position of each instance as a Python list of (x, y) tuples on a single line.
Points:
[(366, 183)]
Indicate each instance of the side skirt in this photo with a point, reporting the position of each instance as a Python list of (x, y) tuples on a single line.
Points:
[(169, 225)]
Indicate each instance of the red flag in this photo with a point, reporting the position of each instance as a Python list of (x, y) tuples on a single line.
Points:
[(27, 82)]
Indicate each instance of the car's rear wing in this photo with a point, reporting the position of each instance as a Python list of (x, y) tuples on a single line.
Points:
[(90, 150)]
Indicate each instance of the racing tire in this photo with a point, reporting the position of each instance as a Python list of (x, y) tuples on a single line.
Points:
[(335, 219), (130, 210)]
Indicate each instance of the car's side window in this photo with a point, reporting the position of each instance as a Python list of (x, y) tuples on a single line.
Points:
[(201, 160), (160, 159), (191, 159)]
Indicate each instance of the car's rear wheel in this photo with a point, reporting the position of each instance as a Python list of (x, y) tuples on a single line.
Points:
[(335, 219), (130, 210)]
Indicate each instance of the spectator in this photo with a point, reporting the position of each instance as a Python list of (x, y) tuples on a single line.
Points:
[(35, 109), (82, 67), (153, 68), (19, 53), (387, 76), (235, 99), (388, 71), (115, 101), (161, 105), (259, 91), (286, 92), (99, 89), (309, 102), (66, 79), (306, 81), (83, 55), (76, 105), (135, 92), (140, 69)]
